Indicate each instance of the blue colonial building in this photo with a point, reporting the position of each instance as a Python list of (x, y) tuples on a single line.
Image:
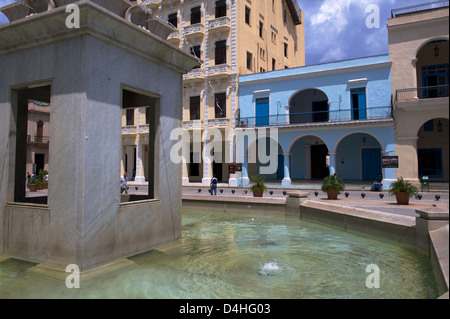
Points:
[(328, 118)]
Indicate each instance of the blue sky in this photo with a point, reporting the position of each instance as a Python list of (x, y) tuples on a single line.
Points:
[(336, 29)]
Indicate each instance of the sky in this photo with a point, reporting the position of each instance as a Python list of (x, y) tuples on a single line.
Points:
[(336, 29)]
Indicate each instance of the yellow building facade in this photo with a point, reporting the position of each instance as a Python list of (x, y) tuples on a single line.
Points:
[(419, 51), (231, 38)]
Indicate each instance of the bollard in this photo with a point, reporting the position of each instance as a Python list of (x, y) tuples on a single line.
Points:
[(293, 202)]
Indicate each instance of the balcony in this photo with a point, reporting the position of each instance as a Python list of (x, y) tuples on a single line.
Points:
[(38, 139), (429, 92), (194, 30), (129, 129), (430, 97), (222, 24), (196, 75), (175, 38), (221, 122), (323, 118), (194, 124), (221, 70)]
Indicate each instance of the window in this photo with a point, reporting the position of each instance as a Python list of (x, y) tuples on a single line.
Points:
[(130, 117), (31, 129), (262, 54), (147, 115), (274, 64), (262, 70), (358, 101), (274, 38), (247, 15), (195, 51), (194, 107), (261, 29), (130, 163), (221, 8), (220, 106), (284, 15), (40, 132), (173, 19), (273, 6), (285, 49), (196, 15), (221, 52), (249, 61)]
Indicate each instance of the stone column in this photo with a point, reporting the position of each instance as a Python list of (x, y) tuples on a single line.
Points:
[(129, 153), (332, 163), (408, 165), (245, 181), (140, 178), (287, 172)]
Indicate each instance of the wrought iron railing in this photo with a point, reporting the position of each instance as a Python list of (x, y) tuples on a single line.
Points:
[(428, 92), (419, 7), (41, 139), (335, 116)]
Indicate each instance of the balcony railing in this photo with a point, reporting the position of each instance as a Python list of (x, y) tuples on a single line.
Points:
[(419, 7), (429, 92), (39, 139), (218, 69), (196, 28), (323, 117)]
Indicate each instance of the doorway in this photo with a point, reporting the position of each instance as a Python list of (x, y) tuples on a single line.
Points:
[(319, 169), (371, 163)]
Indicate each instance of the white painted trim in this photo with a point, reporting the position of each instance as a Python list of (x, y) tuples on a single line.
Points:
[(291, 77)]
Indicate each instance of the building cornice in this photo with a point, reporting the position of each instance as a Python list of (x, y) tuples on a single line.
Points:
[(313, 74), (295, 11), (98, 22)]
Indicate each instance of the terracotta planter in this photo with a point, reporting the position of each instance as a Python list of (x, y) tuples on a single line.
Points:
[(332, 194), (32, 187), (258, 193), (402, 198)]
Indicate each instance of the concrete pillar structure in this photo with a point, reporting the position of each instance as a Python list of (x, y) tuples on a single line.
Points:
[(287, 170), (88, 75)]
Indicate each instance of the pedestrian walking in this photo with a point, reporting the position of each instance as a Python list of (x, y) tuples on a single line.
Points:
[(213, 185), (123, 184)]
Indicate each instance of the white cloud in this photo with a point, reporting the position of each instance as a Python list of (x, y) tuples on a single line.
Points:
[(334, 54), (336, 29)]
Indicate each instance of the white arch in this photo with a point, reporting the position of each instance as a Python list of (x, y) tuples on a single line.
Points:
[(302, 136), (357, 132), (428, 42), (305, 89), (263, 137), (429, 118)]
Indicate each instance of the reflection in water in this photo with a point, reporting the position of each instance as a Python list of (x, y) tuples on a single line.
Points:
[(249, 256)]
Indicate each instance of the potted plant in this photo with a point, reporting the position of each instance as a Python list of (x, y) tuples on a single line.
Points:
[(32, 185), (258, 188), (332, 185), (403, 191)]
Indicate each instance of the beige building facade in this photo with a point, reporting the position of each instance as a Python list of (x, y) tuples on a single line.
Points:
[(38, 137), (419, 51), (231, 38)]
